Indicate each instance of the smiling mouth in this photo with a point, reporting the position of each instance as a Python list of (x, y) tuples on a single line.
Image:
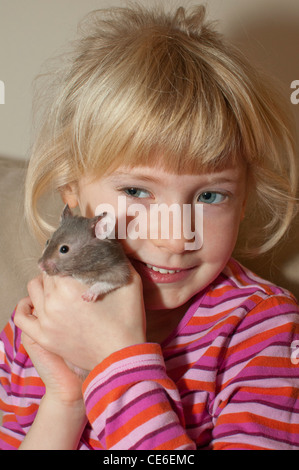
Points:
[(163, 270), (161, 275)]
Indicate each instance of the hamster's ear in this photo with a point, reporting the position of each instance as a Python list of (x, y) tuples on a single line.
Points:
[(66, 213), (103, 226)]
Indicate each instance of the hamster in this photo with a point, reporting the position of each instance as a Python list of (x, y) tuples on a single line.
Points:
[(74, 250)]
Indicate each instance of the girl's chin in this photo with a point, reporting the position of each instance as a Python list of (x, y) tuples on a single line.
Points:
[(161, 297), (167, 291)]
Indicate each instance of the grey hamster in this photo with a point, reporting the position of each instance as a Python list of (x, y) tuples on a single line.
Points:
[(74, 250)]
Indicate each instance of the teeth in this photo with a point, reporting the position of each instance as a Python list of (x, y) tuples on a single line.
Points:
[(163, 271)]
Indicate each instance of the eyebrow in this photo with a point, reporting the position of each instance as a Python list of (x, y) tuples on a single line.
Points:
[(140, 177), (222, 179), (213, 179)]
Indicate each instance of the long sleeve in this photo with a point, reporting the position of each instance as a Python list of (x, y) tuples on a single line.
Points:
[(257, 406), (10, 435), (20, 388), (133, 404)]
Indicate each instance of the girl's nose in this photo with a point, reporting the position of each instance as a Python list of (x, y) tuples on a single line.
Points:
[(172, 245), (178, 244), (176, 233)]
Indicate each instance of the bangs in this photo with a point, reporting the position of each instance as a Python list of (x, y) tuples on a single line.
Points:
[(157, 98)]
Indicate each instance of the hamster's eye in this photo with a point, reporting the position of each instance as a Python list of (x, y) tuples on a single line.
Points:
[(63, 249)]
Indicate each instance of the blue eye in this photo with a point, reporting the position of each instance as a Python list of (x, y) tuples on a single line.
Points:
[(210, 197), (136, 192)]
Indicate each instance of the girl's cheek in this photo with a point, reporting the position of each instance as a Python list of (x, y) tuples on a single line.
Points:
[(131, 247)]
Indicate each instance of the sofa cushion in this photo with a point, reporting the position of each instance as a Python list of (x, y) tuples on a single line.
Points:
[(19, 249)]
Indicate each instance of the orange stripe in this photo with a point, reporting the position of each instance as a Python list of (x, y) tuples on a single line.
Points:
[(260, 337), (5, 381), (25, 381), (289, 391), (213, 351), (102, 404), (175, 443), (196, 408), (286, 392), (220, 291), (278, 362), (136, 421), (197, 385), (205, 319), (24, 411), (9, 334), (95, 444), (12, 441), (270, 302), (238, 445), (244, 417), (9, 418)]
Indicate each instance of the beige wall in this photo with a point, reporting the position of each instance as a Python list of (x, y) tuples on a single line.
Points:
[(33, 30)]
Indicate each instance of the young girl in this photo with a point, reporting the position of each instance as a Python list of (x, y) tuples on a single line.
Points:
[(195, 352)]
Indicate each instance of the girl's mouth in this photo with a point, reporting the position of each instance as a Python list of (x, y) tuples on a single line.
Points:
[(160, 275)]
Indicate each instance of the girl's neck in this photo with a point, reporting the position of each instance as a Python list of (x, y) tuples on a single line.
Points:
[(161, 323)]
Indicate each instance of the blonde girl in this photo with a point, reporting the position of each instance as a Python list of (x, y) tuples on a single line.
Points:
[(193, 353)]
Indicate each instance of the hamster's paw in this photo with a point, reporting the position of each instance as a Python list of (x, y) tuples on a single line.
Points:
[(97, 289), (89, 296)]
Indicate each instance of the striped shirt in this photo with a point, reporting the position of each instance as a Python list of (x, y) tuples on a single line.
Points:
[(226, 378)]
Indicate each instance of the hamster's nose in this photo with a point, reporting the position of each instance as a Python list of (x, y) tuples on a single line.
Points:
[(48, 266), (41, 265)]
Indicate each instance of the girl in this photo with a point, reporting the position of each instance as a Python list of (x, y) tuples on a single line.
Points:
[(195, 351)]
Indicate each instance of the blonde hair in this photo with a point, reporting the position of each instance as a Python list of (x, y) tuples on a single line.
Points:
[(141, 83)]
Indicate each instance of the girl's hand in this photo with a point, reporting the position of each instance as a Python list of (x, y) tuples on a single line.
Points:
[(82, 333), (60, 382), (61, 417)]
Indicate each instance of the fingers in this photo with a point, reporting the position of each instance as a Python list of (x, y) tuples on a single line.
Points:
[(28, 308), (41, 289), (35, 289), (23, 315), (63, 287), (26, 305)]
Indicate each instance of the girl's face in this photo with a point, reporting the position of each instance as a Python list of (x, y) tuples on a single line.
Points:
[(171, 270)]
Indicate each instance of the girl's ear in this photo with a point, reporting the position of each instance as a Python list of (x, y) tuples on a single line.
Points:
[(244, 206), (69, 195), (243, 213)]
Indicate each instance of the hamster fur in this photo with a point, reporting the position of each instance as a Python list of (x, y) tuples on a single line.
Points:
[(74, 250)]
